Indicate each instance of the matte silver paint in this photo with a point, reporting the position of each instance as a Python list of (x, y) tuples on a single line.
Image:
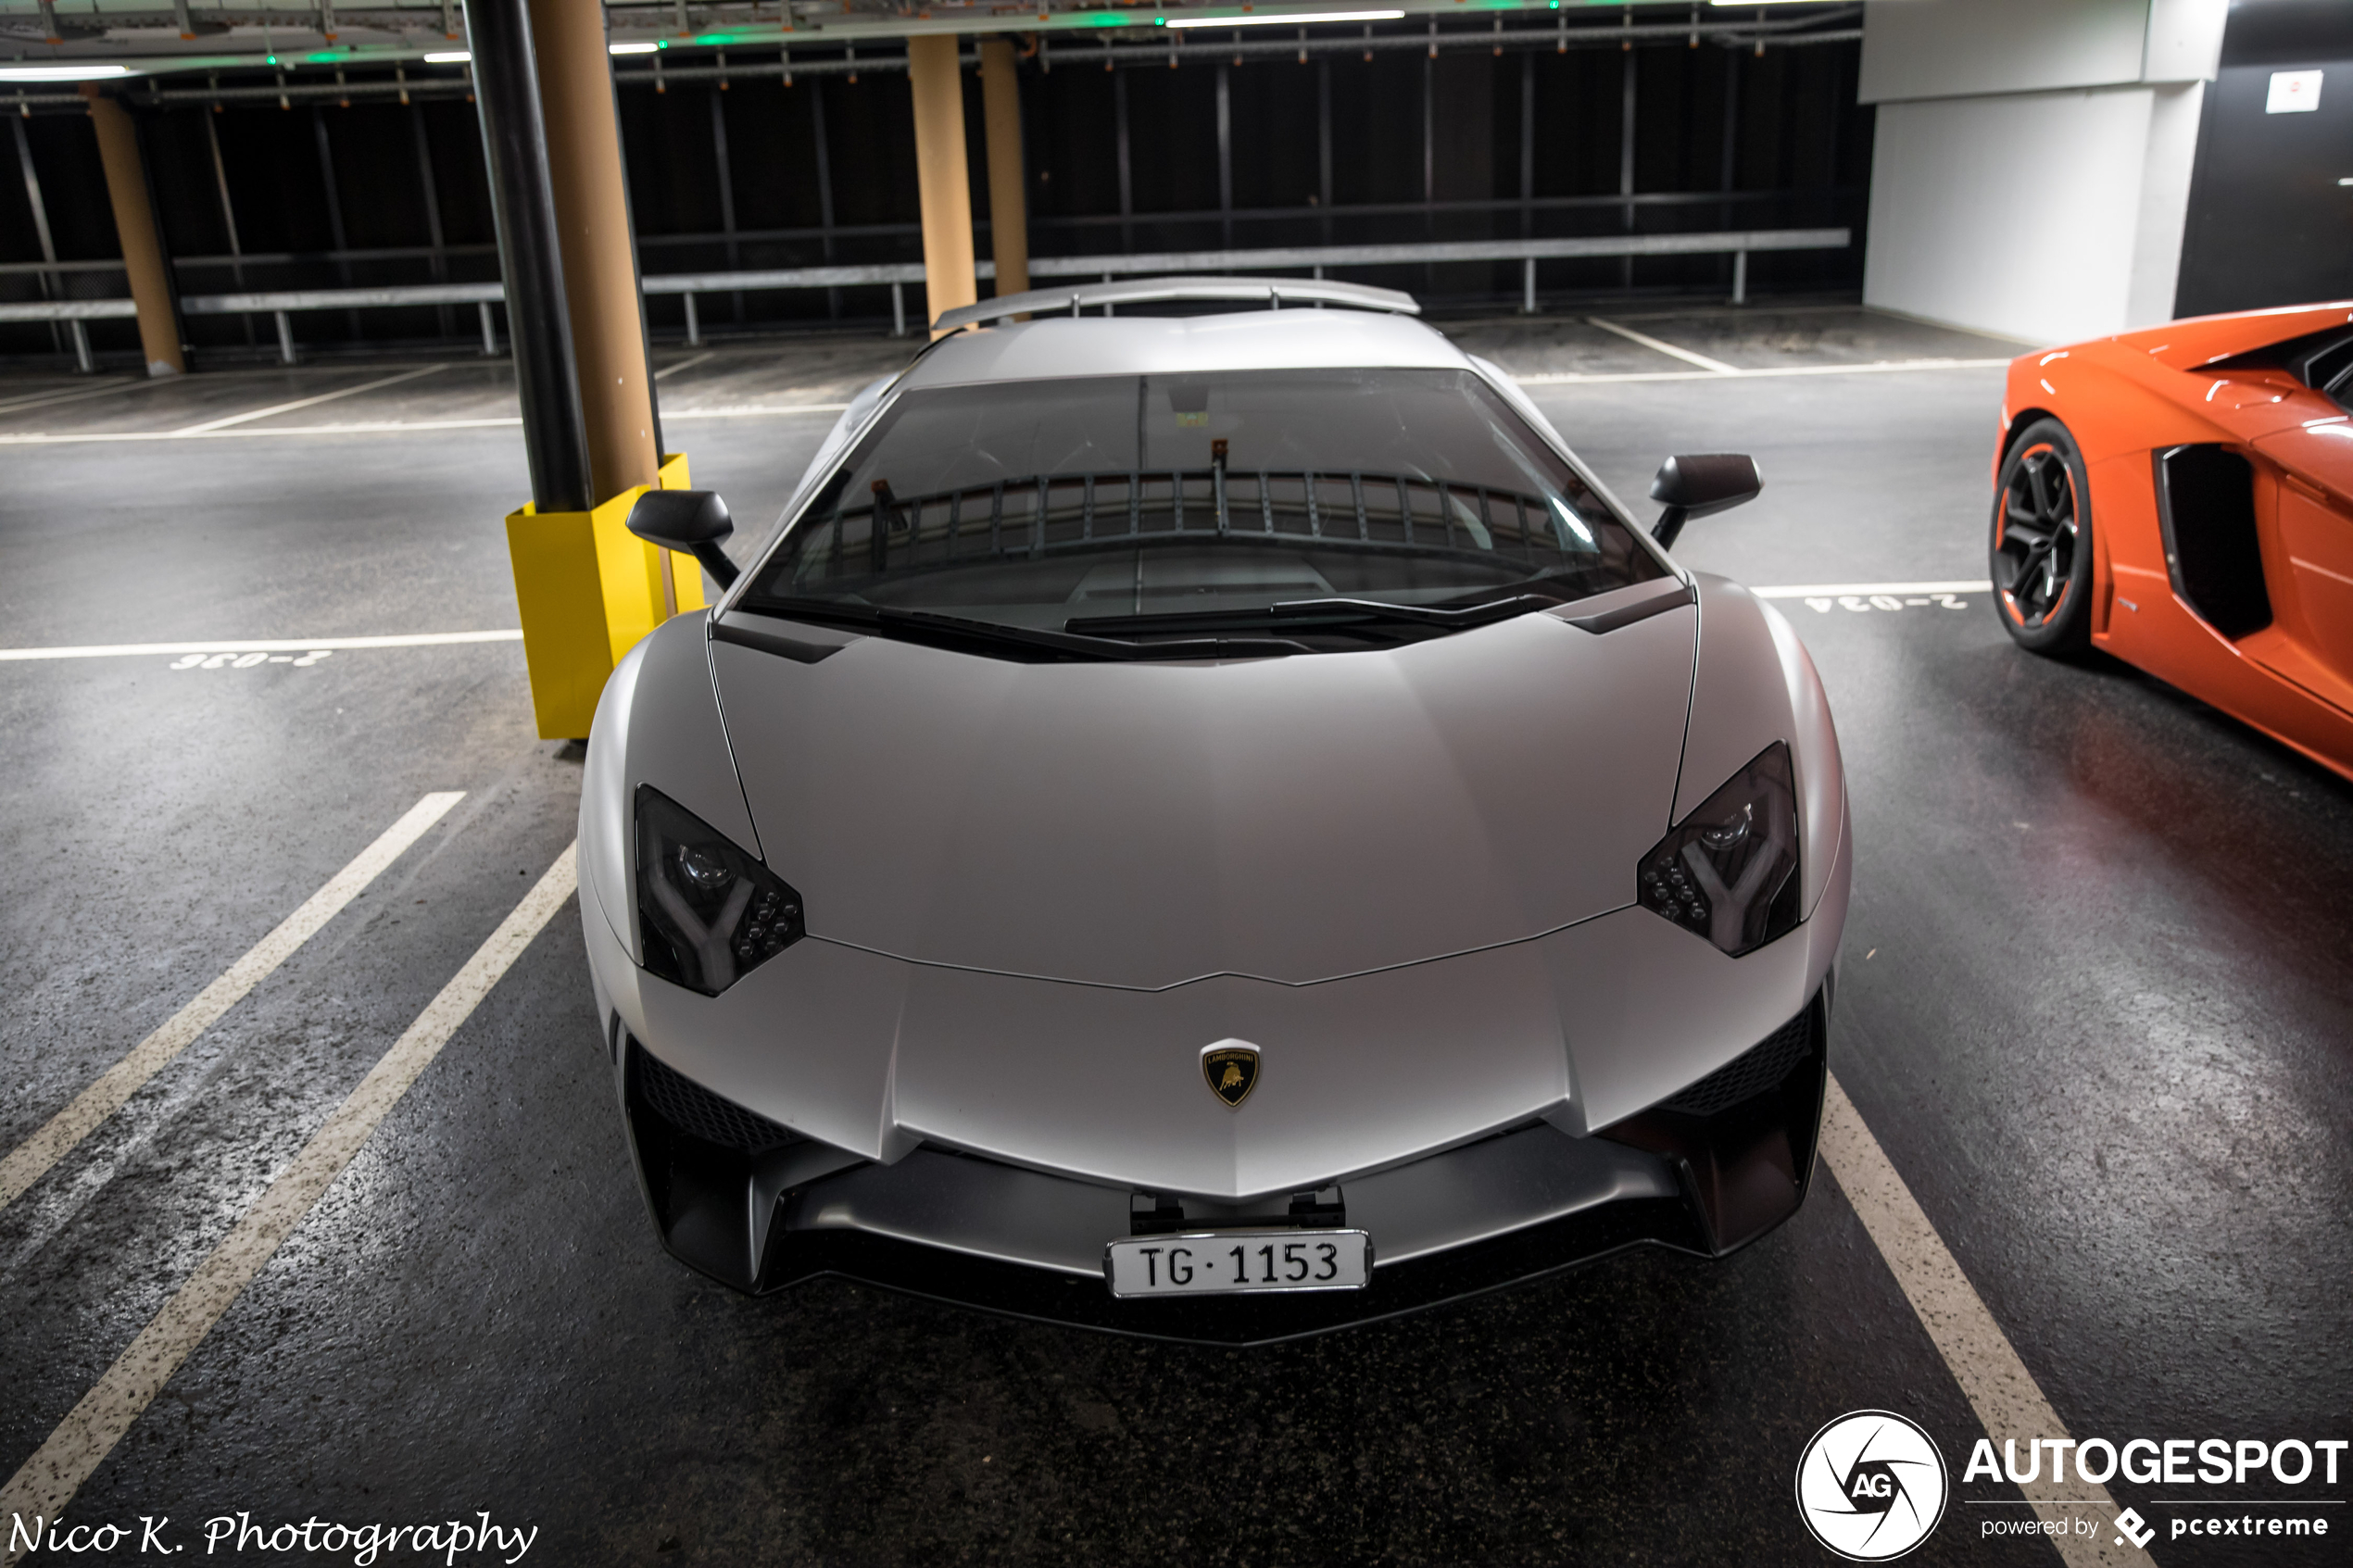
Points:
[(877, 1055), (1145, 824)]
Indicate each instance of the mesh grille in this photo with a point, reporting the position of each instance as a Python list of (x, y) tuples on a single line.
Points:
[(1752, 1073), (694, 1109)]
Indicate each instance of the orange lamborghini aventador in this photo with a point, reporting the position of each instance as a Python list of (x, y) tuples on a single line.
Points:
[(2182, 498)]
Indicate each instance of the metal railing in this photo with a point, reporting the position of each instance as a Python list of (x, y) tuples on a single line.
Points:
[(280, 304), (1040, 515)]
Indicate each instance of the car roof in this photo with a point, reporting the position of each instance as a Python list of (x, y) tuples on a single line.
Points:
[(1059, 346)]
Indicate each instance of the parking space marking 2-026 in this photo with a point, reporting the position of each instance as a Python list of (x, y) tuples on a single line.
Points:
[(248, 661)]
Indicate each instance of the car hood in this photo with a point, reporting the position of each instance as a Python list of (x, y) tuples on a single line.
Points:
[(1144, 825)]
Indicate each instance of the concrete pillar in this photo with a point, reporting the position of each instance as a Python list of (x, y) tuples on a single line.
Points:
[(2030, 163), (941, 172), (599, 255), (134, 225), (1007, 201)]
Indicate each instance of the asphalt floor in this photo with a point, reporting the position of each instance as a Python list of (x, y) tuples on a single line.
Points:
[(2094, 1005)]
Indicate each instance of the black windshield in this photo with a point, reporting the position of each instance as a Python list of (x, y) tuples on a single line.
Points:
[(1131, 506)]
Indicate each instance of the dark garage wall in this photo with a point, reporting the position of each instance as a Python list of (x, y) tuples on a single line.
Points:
[(2267, 222), (329, 196)]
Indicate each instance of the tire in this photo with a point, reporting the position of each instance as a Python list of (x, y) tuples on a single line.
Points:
[(2041, 550)]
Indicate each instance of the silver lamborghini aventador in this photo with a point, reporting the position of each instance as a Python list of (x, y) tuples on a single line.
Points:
[(1211, 826)]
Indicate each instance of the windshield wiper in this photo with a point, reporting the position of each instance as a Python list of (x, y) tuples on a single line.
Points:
[(1310, 615), (963, 633)]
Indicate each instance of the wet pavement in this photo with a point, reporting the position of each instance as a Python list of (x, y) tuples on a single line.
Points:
[(2095, 1006)]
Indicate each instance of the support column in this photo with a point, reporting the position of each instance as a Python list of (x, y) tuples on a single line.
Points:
[(514, 135), (1007, 199), (599, 255), (588, 590), (942, 175), (134, 225)]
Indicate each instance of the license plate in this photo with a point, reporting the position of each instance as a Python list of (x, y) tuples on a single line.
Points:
[(1232, 1262)]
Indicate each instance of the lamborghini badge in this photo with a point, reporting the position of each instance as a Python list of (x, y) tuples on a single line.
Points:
[(1231, 1070)]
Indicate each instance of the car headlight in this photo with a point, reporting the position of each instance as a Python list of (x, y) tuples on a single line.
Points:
[(708, 913), (1729, 872)]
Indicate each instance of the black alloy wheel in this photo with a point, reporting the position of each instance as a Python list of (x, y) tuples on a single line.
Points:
[(2042, 548)]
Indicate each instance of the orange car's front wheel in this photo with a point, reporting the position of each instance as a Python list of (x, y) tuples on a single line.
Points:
[(2042, 549)]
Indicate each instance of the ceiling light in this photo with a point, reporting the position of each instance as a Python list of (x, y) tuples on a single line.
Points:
[(631, 48), (450, 58), (61, 73), (1294, 18)]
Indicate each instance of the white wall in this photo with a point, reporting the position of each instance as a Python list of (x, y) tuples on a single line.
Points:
[(2030, 169), (2165, 203), (1958, 48), (2041, 216)]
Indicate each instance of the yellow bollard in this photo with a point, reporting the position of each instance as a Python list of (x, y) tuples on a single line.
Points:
[(589, 591)]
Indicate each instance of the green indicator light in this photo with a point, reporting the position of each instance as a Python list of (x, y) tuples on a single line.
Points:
[(327, 59), (271, 60)]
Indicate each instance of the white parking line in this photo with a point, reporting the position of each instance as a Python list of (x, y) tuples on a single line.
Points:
[(1714, 367), (221, 430), (273, 645), (208, 426), (1832, 590), (51, 398), (1876, 367), (47, 1481), (747, 411), (27, 1161), (2008, 1402), (689, 360)]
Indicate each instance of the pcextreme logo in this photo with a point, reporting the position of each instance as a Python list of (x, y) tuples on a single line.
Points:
[(1871, 1485)]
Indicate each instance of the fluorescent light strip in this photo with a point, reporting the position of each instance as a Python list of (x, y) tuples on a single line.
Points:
[(61, 73), (465, 57), (1294, 18)]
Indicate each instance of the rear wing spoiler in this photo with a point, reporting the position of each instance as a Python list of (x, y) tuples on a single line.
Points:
[(1273, 292)]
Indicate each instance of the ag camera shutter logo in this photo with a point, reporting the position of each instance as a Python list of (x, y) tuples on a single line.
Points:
[(1871, 1485)]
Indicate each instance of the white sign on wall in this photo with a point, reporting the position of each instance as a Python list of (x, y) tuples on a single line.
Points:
[(2294, 91)]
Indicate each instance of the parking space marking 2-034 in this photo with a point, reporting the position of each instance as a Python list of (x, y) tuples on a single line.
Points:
[(1861, 598), (1861, 603)]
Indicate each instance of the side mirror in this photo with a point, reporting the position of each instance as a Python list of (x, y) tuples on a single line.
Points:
[(1697, 484), (693, 521)]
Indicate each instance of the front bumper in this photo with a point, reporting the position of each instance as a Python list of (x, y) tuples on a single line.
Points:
[(750, 1203)]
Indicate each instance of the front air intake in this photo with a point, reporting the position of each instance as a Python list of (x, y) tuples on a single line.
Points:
[(1755, 1070), (698, 1112), (1744, 1136)]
